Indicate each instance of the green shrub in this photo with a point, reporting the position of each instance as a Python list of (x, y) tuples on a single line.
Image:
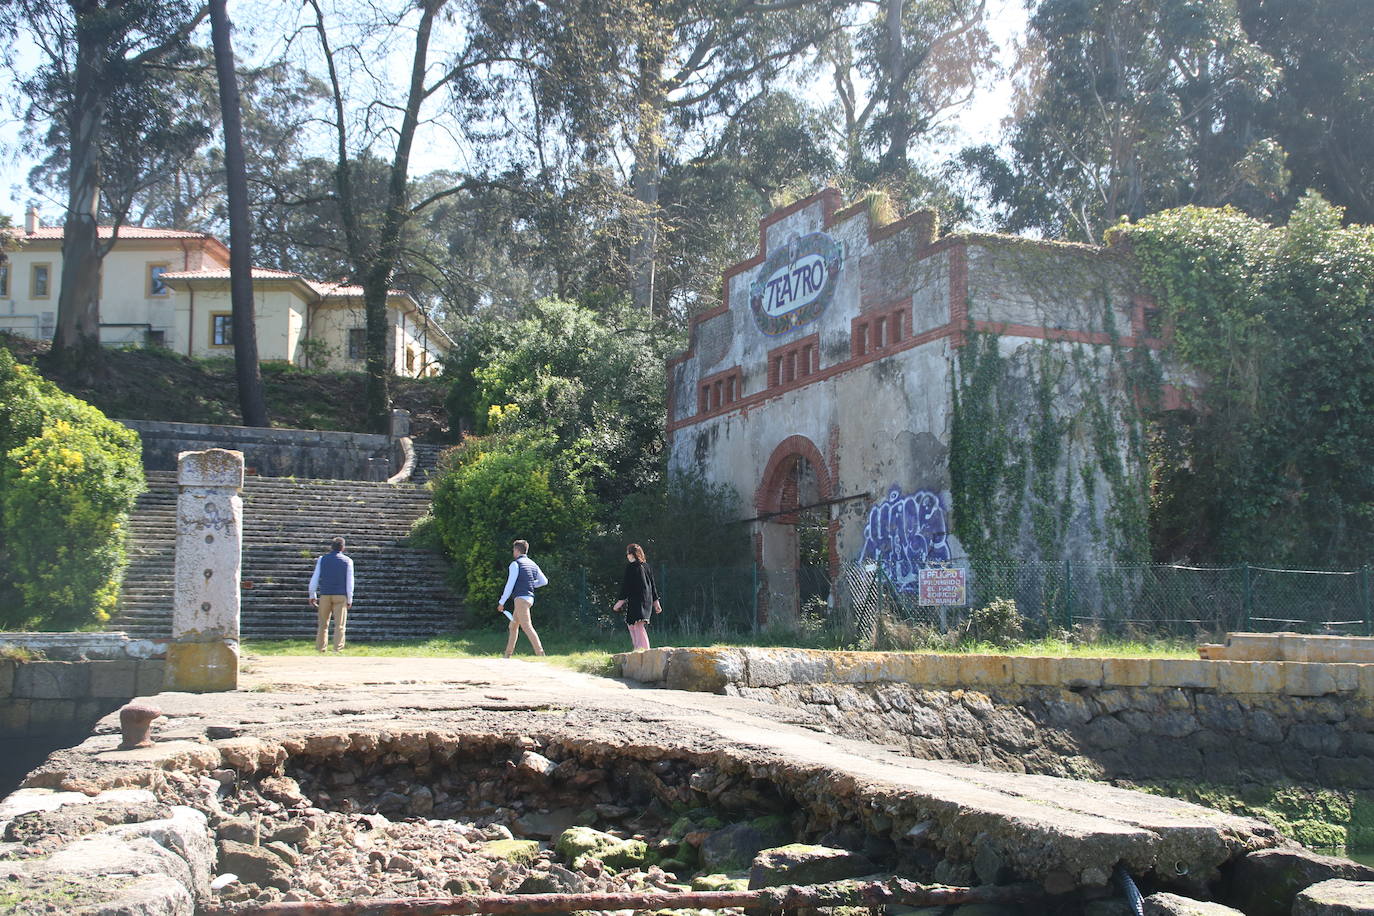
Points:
[(998, 622), (499, 488), (68, 479)]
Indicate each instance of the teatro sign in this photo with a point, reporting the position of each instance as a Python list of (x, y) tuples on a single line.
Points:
[(796, 283)]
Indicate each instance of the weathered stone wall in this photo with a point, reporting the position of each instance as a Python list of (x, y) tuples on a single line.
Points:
[(1096, 718), (317, 454), (54, 683), (51, 697)]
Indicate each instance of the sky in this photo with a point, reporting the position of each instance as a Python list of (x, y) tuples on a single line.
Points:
[(272, 23)]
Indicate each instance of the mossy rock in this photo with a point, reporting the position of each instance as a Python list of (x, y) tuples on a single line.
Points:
[(675, 866), (777, 824), (465, 887), (800, 863), (1318, 834), (578, 844), (720, 883), (517, 852)]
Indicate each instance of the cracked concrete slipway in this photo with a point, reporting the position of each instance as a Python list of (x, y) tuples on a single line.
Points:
[(1059, 832)]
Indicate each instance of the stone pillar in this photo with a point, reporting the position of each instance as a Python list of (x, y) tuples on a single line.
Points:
[(400, 423), (204, 654), (780, 565)]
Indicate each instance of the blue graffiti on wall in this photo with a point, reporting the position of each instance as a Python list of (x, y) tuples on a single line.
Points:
[(905, 533)]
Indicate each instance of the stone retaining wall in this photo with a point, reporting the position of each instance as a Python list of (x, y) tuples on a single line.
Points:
[(1097, 718), (273, 452), (72, 679)]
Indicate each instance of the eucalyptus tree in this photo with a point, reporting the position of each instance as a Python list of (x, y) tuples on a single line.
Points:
[(99, 99), (635, 79), (1321, 113), (244, 324), (901, 70), (1132, 106), (370, 115)]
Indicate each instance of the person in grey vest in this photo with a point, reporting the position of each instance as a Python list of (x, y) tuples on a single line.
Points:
[(331, 592), (523, 577)]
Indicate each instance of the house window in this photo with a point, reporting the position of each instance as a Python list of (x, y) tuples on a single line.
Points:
[(40, 281), (410, 360), (221, 329), (155, 285), (357, 343), (4, 281), (156, 339)]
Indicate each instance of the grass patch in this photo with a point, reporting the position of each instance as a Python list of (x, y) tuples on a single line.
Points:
[(579, 651), (591, 650), (12, 653), (1106, 648)]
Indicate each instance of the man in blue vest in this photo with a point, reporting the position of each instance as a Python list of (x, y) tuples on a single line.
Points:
[(522, 579), (331, 591)]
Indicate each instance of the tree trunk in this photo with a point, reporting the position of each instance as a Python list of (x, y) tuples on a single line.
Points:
[(377, 281), (244, 324), (893, 161), (648, 140), (78, 300), (376, 393)]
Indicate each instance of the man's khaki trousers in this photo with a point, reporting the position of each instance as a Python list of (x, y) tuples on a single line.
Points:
[(335, 606)]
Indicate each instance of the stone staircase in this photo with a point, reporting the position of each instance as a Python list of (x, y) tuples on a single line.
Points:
[(399, 591), (426, 458)]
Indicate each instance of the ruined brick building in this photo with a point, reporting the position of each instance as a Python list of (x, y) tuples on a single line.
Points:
[(823, 391)]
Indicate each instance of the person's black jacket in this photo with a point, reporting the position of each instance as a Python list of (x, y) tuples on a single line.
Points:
[(639, 590)]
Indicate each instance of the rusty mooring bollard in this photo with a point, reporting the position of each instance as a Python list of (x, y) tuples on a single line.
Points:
[(135, 721)]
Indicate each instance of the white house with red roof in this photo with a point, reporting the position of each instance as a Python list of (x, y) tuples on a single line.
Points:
[(170, 288)]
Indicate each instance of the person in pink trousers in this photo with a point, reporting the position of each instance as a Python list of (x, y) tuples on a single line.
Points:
[(638, 595)]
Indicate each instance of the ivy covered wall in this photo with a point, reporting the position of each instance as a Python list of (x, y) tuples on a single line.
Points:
[(1049, 429)]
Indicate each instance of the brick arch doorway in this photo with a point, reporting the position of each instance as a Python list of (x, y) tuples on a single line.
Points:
[(794, 537)]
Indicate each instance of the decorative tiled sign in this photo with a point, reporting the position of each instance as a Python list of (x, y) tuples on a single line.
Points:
[(796, 283)]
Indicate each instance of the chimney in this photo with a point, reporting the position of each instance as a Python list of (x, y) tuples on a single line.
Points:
[(31, 220)]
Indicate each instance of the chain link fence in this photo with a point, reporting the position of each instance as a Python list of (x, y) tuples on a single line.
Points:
[(1053, 598)]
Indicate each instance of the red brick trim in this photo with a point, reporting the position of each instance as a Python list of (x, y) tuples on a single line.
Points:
[(1036, 332), (719, 391), (1143, 308), (956, 333), (880, 332), (769, 496), (824, 374), (924, 220), (794, 362)]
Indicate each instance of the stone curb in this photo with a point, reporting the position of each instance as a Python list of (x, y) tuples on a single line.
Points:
[(711, 670)]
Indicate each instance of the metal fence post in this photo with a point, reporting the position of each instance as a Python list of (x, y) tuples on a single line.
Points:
[(754, 592), (1364, 601), (1247, 597), (1068, 595)]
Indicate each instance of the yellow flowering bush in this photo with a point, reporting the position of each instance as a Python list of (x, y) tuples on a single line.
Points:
[(68, 479)]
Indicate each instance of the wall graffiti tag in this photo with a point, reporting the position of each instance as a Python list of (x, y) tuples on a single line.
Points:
[(796, 283), (905, 532)]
